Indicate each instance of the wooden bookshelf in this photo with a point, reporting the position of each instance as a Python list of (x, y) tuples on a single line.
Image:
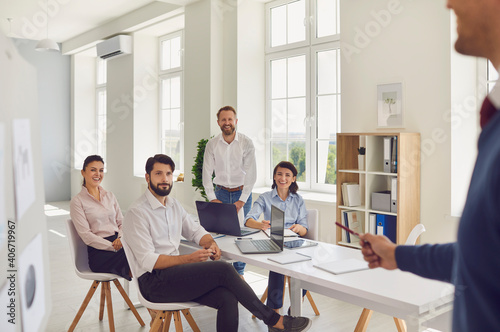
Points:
[(373, 178)]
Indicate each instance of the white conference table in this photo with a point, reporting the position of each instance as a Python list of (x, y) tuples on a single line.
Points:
[(395, 293)]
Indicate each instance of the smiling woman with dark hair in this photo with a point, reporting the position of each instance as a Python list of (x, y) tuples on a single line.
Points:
[(98, 220), (284, 196)]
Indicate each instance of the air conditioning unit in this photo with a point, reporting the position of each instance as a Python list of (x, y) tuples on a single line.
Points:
[(114, 47)]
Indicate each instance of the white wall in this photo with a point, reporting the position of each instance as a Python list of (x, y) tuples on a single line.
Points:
[(53, 83), (404, 41)]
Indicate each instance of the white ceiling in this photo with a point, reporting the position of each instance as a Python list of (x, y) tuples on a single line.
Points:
[(67, 18)]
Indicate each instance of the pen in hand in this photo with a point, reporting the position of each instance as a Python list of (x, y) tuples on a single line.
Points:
[(347, 229), (366, 244)]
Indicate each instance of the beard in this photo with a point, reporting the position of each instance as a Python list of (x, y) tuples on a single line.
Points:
[(228, 131), (159, 191)]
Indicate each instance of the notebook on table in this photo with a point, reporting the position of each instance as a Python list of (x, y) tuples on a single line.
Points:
[(343, 266), (221, 218), (265, 246)]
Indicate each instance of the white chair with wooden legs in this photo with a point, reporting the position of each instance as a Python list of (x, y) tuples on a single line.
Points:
[(312, 234), (79, 255), (163, 311), (366, 314)]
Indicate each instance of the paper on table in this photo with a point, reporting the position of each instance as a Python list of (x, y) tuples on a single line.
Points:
[(343, 266), (289, 258)]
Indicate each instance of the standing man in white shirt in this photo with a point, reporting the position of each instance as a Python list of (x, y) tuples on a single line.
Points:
[(152, 231), (231, 155)]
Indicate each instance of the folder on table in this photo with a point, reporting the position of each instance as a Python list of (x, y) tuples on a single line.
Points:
[(386, 225)]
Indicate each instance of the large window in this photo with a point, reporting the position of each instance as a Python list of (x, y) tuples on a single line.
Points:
[(171, 98), (303, 88), (101, 124)]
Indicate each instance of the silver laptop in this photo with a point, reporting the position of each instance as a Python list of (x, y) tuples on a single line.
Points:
[(221, 218), (267, 246)]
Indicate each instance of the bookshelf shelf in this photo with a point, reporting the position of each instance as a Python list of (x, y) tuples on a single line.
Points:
[(374, 179)]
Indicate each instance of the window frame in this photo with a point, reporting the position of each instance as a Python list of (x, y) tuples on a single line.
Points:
[(169, 74), (100, 88), (309, 47)]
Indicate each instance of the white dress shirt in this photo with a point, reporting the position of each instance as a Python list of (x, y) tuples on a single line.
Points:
[(151, 229), (94, 220), (234, 165)]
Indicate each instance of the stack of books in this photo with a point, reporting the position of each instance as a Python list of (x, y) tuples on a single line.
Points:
[(351, 194), (351, 219)]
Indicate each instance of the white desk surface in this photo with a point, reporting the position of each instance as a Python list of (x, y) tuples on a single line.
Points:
[(395, 293)]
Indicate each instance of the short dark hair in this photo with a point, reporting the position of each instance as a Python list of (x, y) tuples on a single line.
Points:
[(89, 160), (286, 164), (159, 158), (226, 108)]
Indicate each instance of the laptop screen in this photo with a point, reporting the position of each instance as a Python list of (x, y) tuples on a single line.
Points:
[(277, 226)]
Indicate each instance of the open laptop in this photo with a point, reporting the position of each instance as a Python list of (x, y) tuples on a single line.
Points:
[(221, 218), (267, 246)]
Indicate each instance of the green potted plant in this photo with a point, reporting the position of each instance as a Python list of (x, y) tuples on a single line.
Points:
[(197, 169)]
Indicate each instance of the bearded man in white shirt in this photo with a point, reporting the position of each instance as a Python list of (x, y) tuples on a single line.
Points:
[(231, 156), (152, 231)]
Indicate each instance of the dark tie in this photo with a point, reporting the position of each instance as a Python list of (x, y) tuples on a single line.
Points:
[(487, 112)]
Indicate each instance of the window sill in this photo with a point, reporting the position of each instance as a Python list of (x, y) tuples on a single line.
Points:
[(308, 196)]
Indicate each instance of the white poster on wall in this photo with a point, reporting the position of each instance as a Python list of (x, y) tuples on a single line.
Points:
[(24, 179), (32, 285), (3, 219)]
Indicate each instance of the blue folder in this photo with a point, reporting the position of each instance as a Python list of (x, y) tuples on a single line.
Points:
[(386, 225)]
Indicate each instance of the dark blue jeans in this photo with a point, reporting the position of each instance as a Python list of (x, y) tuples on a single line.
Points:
[(275, 290), (214, 284), (232, 197)]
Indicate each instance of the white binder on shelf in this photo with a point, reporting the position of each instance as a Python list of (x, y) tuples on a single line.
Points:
[(372, 223), (387, 154), (394, 195)]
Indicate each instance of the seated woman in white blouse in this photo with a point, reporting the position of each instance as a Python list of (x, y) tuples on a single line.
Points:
[(284, 196), (98, 220)]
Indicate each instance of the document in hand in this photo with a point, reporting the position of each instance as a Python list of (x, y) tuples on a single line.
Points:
[(343, 266)]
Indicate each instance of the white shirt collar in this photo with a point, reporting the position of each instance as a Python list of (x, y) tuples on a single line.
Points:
[(154, 202), (494, 95), (224, 141)]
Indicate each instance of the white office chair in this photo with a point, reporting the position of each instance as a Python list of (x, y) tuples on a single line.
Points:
[(164, 311), (366, 314), (79, 255), (312, 234)]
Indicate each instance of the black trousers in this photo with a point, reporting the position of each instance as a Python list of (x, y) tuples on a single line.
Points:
[(105, 261), (214, 284)]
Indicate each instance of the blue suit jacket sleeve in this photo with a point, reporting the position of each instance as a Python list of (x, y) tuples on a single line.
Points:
[(428, 261)]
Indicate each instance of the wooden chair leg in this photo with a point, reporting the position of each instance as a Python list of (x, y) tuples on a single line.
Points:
[(168, 319), (160, 315), (127, 300), (190, 320), (86, 301), (363, 321), (177, 321), (400, 324), (287, 281), (102, 302), (109, 305), (313, 304)]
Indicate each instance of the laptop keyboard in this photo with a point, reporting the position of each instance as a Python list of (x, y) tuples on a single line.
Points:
[(263, 245)]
